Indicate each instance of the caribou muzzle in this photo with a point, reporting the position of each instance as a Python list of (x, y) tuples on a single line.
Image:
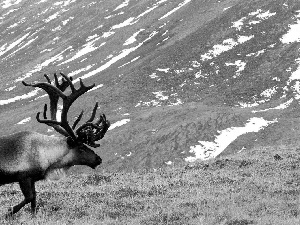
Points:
[(98, 161)]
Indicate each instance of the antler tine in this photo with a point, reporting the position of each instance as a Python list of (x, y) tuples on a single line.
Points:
[(74, 95), (50, 89), (94, 145), (56, 81), (102, 118), (85, 88), (47, 78), (69, 81), (77, 120), (93, 113), (45, 111), (89, 122), (81, 114), (63, 86), (53, 123)]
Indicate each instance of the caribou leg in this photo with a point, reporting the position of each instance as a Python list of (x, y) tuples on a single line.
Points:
[(28, 190), (33, 201)]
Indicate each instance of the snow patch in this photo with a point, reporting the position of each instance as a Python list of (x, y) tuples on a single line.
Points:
[(296, 76), (80, 70), (26, 120), (52, 17), (10, 88), (151, 103), (175, 9), (118, 124), (207, 150), (293, 35), (8, 3), (226, 8), (248, 105), (5, 48), (134, 20), (132, 39), (259, 15), (239, 64), (153, 75), (38, 67), (281, 106), (195, 64), (127, 22), (111, 16), (227, 45), (160, 96), (136, 58), (255, 54), (23, 46), (42, 1), (87, 48), (122, 5), (178, 102), (166, 70), (238, 24), (123, 54), (17, 98), (265, 15), (64, 22), (268, 93), (107, 34)]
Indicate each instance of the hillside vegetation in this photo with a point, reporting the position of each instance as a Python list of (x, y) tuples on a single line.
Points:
[(260, 186)]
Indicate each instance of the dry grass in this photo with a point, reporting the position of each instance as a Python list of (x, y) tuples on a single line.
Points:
[(249, 188)]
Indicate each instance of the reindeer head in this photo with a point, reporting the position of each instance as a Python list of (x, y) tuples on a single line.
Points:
[(89, 132)]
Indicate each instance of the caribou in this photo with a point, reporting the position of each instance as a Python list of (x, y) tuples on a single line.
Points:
[(27, 156)]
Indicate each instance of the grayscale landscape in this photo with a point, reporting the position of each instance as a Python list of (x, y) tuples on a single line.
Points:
[(202, 96)]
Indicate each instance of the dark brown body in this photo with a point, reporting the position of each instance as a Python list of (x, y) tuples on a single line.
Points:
[(27, 157)]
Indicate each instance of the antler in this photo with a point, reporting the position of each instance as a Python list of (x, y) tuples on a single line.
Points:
[(87, 133), (91, 132), (54, 93)]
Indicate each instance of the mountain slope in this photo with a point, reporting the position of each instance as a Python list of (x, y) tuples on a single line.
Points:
[(180, 80)]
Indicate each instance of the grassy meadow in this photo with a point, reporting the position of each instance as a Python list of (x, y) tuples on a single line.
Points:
[(252, 187)]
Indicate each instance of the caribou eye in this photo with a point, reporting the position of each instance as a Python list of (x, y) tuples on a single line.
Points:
[(81, 150)]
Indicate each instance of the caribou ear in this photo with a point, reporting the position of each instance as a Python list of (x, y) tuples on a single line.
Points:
[(71, 142)]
